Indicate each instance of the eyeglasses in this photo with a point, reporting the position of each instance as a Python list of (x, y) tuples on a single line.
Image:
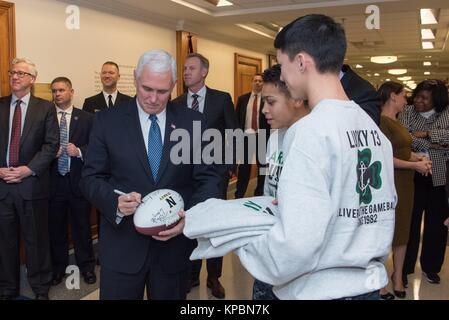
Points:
[(20, 74)]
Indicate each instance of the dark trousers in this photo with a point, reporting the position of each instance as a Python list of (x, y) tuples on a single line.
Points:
[(159, 284), (244, 171), (31, 218), (64, 207), (214, 265), (431, 200)]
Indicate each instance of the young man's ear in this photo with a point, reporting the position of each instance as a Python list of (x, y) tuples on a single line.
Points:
[(301, 62)]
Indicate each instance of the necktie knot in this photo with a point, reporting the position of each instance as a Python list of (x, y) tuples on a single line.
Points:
[(195, 103), (18, 102), (153, 117)]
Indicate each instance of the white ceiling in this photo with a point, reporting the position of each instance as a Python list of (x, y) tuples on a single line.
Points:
[(399, 32)]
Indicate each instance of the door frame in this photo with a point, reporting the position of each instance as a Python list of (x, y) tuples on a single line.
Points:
[(8, 43), (245, 60)]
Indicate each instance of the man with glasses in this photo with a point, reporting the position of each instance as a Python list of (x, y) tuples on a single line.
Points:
[(29, 142)]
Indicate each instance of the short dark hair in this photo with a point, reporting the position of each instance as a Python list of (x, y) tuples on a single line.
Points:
[(258, 74), (273, 75), (317, 35), (203, 60), (438, 91), (62, 79), (112, 63), (387, 88)]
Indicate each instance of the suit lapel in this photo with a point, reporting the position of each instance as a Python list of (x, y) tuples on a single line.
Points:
[(132, 123), (170, 125), (208, 102), (30, 118), (73, 124), (101, 101), (4, 124)]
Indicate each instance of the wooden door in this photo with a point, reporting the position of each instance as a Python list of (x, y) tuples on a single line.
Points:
[(244, 69), (7, 44)]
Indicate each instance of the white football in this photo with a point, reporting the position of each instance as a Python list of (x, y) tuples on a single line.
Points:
[(158, 212)]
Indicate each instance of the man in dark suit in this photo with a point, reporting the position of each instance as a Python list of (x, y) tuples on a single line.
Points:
[(252, 121), (218, 108), (361, 92), (65, 194), (130, 151), (29, 141), (110, 96)]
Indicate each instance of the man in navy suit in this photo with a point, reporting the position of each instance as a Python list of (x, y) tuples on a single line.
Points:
[(129, 150), (218, 109), (66, 201)]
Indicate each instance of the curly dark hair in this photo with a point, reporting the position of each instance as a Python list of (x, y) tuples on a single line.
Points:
[(438, 90)]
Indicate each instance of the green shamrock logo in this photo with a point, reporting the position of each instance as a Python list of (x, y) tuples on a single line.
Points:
[(367, 176)]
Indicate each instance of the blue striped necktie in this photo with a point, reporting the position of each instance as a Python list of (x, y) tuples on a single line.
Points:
[(154, 146), (63, 161)]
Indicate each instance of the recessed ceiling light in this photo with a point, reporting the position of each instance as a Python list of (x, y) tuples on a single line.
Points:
[(412, 86), (220, 3), (376, 74), (384, 59), (427, 63), (429, 16), (426, 73), (387, 80), (427, 45), (406, 78), (368, 74), (254, 30), (192, 6), (397, 71), (358, 66), (427, 34), (428, 57)]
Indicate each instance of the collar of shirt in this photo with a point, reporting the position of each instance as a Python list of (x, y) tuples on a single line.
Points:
[(341, 74), (114, 96), (144, 117), (201, 93), (25, 100), (68, 111), (428, 114), (258, 94)]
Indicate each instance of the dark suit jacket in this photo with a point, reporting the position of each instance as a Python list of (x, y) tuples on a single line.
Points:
[(218, 110), (80, 125), (242, 103), (117, 159), (39, 144), (98, 103), (361, 92)]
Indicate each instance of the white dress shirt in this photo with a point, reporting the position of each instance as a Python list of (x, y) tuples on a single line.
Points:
[(249, 112), (145, 123), (23, 107), (106, 97), (201, 98)]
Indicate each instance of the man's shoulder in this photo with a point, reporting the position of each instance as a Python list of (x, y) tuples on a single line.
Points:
[(5, 100), (94, 97), (180, 99), (183, 113), (124, 96), (41, 102), (217, 92), (82, 114)]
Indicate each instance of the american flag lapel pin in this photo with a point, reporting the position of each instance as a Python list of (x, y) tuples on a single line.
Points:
[(173, 126)]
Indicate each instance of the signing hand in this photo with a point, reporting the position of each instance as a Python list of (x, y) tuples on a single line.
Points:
[(173, 232), (128, 203)]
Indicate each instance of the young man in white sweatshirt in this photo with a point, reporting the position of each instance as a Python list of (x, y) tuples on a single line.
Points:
[(336, 192)]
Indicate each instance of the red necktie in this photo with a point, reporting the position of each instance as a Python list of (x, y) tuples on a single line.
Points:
[(14, 144), (254, 114)]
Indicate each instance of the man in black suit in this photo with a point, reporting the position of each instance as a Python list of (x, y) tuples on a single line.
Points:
[(110, 96), (65, 194), (361, 92), (130, 151), (218, 109), (252, 121), (29, 141)]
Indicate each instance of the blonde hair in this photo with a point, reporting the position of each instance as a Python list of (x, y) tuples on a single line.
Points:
[(30, 64)]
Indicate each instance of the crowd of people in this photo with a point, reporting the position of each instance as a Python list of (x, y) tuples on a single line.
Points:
[(352, 171)]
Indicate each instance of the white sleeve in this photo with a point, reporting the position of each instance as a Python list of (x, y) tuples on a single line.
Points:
[(293, 246)]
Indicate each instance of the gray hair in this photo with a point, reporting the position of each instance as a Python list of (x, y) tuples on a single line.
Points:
[(158, 61), (30, 64)]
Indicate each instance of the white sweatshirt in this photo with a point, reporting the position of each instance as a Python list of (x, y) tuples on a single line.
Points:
[(336, 225)]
